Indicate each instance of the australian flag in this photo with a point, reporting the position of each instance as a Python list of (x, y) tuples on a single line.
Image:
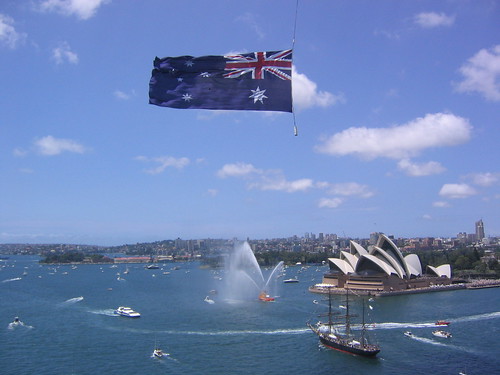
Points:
[(258, 81)]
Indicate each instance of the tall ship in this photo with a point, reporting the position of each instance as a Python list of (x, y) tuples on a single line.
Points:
[(338, 334)]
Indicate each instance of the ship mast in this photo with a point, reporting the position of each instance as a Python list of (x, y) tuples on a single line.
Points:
[(347, 316)]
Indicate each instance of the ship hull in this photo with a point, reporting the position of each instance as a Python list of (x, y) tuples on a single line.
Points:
[(347, 348)]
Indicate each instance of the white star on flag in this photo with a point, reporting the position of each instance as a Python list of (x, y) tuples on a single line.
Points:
[(258, 95)]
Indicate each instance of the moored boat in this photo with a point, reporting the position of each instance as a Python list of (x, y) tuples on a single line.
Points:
[(127, 311), (340, 337)]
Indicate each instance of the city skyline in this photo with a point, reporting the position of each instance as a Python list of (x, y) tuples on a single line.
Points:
[(396, 106)]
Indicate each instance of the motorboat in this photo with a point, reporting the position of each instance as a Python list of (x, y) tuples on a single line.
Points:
[(408, 333), (441, 333), (209, 300), (127, 311), (442, 323), (291, 281), (158, 353)]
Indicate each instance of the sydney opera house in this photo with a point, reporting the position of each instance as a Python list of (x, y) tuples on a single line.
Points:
[(382, 268)]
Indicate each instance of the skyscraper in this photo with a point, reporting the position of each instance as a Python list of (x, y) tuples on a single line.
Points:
[(479, 230)]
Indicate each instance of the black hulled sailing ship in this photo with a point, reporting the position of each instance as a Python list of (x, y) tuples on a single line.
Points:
[(338, 335)]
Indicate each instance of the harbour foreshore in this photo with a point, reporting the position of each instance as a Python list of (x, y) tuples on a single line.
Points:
[(475, 284)]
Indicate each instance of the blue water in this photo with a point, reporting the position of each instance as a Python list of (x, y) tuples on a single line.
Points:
[(66, 334)]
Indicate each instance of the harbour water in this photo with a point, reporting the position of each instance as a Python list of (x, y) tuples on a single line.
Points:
[(70, 328)]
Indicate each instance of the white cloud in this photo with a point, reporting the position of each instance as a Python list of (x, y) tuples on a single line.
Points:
[(54, 146), (427, 217), (349, 189), (279, 183), (237, 170), (8, 34), (83, 9), (484, 179), (306, 95), (121, 95), (399, 142), (441, 204), (163, 163), (423, 169), (63, 53), (250, 20), (330, 202), (457, 191), (430, 20), (19, 152), (482, 74)]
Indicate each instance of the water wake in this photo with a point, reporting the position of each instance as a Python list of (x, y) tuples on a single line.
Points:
[(472, 318), (107, 312), (14, 279), (73, 300)]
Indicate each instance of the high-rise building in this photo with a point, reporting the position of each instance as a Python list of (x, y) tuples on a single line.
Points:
[(479, 230)]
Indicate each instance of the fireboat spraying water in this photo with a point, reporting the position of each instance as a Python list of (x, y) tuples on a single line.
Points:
[(244, 277)]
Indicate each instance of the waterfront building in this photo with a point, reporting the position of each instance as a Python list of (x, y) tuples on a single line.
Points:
[(382, 268)]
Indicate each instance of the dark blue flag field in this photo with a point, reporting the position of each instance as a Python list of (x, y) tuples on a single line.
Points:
[(257, 81)]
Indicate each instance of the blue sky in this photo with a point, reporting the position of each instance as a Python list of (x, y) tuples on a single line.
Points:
[(397, 104)]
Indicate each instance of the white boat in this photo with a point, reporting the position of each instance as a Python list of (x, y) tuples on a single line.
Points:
[(158, 353), (409, 334), (209, 300), (127, 311), (291, 281), (441, 333)]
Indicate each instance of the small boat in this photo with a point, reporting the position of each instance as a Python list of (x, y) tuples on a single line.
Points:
[(442, 323), (339, 336), (152, 267), (291, 281), (209, 300), (408, 333), (158, 353), (127, 311), (263, 296), (441, 333)]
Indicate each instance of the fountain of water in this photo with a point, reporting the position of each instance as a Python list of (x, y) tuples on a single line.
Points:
[(244, 277)]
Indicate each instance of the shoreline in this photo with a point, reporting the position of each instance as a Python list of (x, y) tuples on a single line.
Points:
[(477, 284)]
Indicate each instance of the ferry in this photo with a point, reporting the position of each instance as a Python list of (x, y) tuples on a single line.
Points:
[(127, 311)]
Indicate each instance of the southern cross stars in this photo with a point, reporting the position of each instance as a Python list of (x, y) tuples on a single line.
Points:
[(258, 95)]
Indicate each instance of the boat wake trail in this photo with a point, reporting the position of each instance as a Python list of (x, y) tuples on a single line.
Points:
[(14, 279), (286, 331), (107, 312), (72, 301), (472, 318), (437, 343)]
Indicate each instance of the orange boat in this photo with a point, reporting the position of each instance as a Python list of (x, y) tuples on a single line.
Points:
[(263, 296), (442, 323)]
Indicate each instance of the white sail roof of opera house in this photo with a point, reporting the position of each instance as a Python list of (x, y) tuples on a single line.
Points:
[(441, 271), (384, 258)]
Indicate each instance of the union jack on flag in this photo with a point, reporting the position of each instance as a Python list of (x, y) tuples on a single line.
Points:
[(277, 63)]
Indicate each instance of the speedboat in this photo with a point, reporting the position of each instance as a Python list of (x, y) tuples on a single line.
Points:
[(127, 311), (158, 353), (291, 281), (209, 300), (442, 323), (440, 333), (409, 334)]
